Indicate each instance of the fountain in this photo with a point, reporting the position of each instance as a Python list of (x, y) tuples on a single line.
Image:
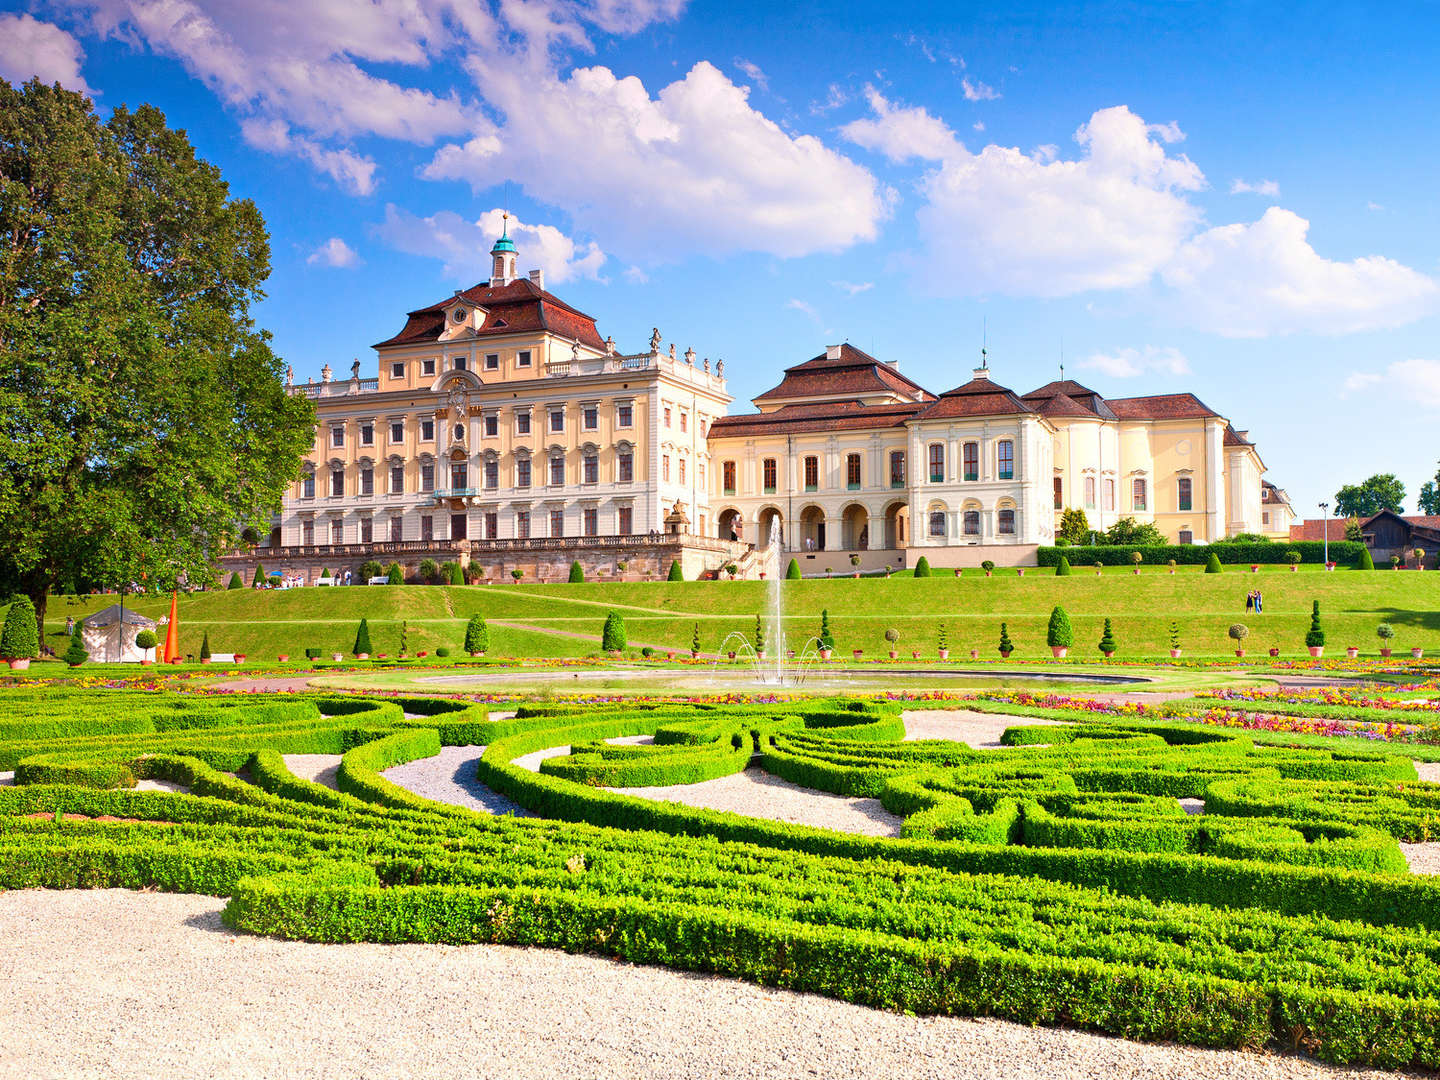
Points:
[(787, 670)]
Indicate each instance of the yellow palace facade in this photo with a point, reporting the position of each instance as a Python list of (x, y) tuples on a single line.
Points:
[(501, 431)]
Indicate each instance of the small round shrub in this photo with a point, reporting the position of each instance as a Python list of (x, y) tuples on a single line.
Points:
[(1238, 632), (892, 635), (146, 639), (987, 565), (442, 651)]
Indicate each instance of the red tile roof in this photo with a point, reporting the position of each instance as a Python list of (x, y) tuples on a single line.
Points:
[(821, 416), (1235, 438), (1315, 528), (1060, 405), (981, 396), (853, 372), (1162, 407), (1089, 402), (519, 306)]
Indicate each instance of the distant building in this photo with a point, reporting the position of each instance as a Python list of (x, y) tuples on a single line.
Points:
[(1276, 514), (1386, 534)]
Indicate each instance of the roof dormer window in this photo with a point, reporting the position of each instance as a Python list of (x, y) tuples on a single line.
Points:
[(459, 315)]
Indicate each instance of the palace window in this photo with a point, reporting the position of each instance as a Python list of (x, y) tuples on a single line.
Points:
[(337, 482), (852, 472), (812, 473), (937, 464), (367, 480), (367, 434), (522, 524), (972, 522), (625, 518), (397, 526), (397, 370), (337, 436), (397, 479), (337, 531), (1186, 536), (591, 465), (557, 470), (727, 477), (557, 522), (590, 417), (667, 416), (769, 470), (684, 421), (972, 461), (307, 485), (625, 466), (625, 416), (492, 474), (1109, 494), (897, 468), (492, 425), (427, 477), (427, 430), (665, 467), (307, 533), (459, 432), (682, 470), (492, 361), (1183, 492), (427, 527), (591, 520), (427, 367), (397, 431), (367, 530), (937, 522), (1090, 492), (557, 419), (700, 478), (459, 475), (1059, 493), (522, 358), (1007, 522), (522, 472), (1137, 495), (522, 422), (1005, 460), (459, 363)]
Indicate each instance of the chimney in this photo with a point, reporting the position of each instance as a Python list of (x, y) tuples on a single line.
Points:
[(982, 373), (832, 352), (538, 277)]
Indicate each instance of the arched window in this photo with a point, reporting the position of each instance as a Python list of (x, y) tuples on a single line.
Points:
[(492, 474), (937, 522), (972, 522), (1006, 522), (307, 484), (557, 470), (337, 481), (1005, 460), (625, 464), (590, 462)]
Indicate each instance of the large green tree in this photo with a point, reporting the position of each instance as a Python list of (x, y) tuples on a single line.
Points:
[(1383, 491), (1429, 502), (143, 421)]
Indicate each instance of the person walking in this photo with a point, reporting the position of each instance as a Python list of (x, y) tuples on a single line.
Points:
[(70, 626), (1259, 602), (1250, 601)]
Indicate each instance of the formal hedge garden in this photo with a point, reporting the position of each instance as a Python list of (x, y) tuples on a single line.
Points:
[(1056, 882)]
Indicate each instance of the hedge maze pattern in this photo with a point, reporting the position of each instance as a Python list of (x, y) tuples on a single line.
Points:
[(1057, 881)]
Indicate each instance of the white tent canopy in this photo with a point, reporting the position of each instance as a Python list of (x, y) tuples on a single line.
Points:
[(109, 640)]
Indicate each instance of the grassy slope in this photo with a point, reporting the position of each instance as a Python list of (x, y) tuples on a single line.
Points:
[(971, 607)]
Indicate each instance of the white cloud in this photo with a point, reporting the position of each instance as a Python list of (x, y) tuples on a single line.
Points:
[(902, 132), (635, 275), (1128, 363), (805, 309), (694, 168), (464, 246), (978, 91), (834, 98), (336, 253), (1006, 222), (1268, 188), (354, 173), (753, 73), (1264, 278), (979, 125), (29, 47), (1372, 205), (1416, 380), (853, 288)]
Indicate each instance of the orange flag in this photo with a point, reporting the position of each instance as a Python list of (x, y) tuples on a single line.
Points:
[(172, 632)]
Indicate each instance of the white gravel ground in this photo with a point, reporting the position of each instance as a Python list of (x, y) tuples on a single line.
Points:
[(977, 729), (321, 768), (151, 985), (7, 778), (1428, 770), (449, 777)]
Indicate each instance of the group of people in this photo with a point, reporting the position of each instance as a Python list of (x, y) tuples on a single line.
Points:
[(1255, 601)]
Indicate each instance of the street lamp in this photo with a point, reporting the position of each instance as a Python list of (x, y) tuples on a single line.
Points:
[(1325, 520)]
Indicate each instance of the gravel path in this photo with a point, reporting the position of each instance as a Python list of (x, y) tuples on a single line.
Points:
[(449, 777), (532, 761), (7, 778), (150, 985), (161, 785), (1423, 858), (321, 768), (1428, 770), (978, 729)]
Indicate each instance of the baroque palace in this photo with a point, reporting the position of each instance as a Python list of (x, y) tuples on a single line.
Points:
[(502, 432)]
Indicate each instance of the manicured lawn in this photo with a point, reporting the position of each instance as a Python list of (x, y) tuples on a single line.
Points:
[(263, 624)]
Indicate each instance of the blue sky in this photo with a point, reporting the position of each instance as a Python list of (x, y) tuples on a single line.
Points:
[(1235, 200)]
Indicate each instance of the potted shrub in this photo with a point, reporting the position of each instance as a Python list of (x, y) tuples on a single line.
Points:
[(1107, 642), (858, 653), (477, 636), (695, 643), (892, 636), (732, 569), (20, 639), (283, 658), (1417, 652), (362, 641), (988, 566), (1058, 634), (855, 565), (612, 635), (1171, 564), (914, 654), (1419, 558), (145, 641), (1099, 567), (620, 568), (957, 571), (1174, 640), (1394, 562), (1274, 651), (1351, 652), (1006, 645), (974, 654), (516, 575), (1293, 558), (1385, 632), (1254, 568), (759, 638), (825, 638), (1315, 636), (1136, 558), (1330, 565), (942, 643), (1020, 571), (337, 657), (205, 648), (1238, 633)]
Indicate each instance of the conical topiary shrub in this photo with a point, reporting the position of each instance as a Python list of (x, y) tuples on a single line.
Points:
[(1107, 640), (1062, 568), (394, 575), (477, 636), (792, 572), (457, 574), (1058, 635), (1365, 561), (922, 567), (362, 640), (259, 578), (695, 641), (76, 655), (20, 640), (577, 573), (759, 636), (676, 574), (205, 645), (1315, 636), (827, 639), (612, 638), (1006, 645), (235, 582), (1212, 564)]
